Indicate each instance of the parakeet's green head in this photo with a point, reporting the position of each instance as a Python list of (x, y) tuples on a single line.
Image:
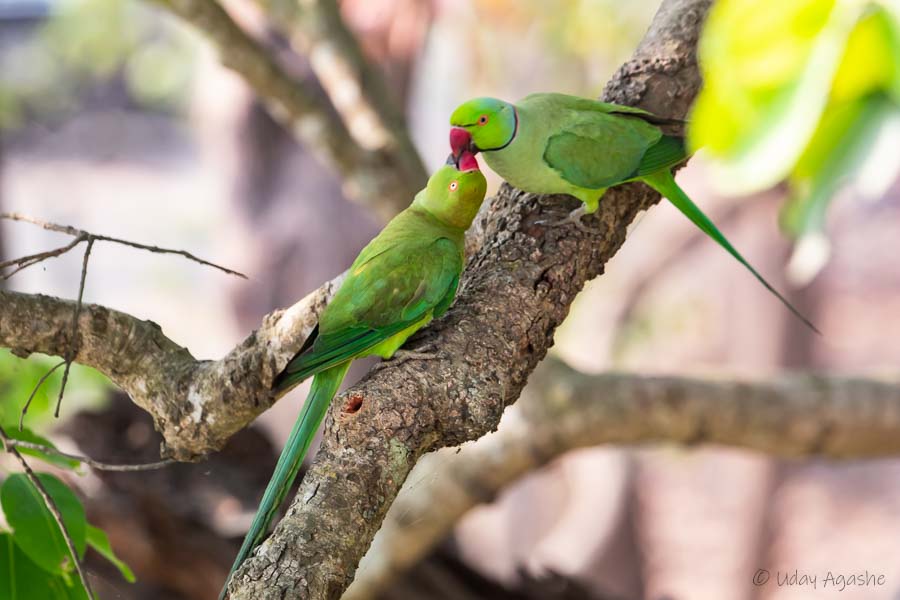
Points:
[(454, 195), (483, 125)]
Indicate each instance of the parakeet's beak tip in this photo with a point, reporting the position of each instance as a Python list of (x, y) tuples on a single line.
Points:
[(463, 162), (460, 141), (467, 162)]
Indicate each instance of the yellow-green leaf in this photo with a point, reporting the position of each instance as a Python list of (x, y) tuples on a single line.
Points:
[(768, 68), (871, 61)]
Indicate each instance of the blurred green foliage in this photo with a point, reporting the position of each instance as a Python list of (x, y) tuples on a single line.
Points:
[(803, 91), (86, 42), (18, 377)]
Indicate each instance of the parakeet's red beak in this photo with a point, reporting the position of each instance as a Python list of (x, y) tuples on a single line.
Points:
[(460, 141), (467, 162), (464, 162)]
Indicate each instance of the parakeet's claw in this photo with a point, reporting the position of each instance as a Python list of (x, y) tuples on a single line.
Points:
[(573, 218), (401, 356)]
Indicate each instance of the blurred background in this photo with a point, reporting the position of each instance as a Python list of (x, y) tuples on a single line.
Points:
[(118, 119)]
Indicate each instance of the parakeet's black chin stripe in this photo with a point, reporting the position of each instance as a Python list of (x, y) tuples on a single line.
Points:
[(509, 141)]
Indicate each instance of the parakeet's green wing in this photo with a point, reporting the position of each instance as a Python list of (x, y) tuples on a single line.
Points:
[(601, 153), (382, 296), (555, 102), (668, 152)]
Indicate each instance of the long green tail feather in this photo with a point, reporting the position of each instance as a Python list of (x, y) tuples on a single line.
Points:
[(324, 387), (664, 183)]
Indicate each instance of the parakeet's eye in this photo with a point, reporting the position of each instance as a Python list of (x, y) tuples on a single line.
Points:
[(482, 120), (453, 185)]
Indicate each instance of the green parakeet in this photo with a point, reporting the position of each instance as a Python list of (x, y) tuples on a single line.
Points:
[(559, 144), (403, 279)]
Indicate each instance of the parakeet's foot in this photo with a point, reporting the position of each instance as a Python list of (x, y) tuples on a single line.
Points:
[(401, 356), (574, 218)]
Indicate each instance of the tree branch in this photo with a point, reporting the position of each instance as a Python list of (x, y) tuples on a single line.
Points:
[(196, 404), (95, 464), (85, 236), (357, 88), (383, 176), (562, 410), (515, 292)]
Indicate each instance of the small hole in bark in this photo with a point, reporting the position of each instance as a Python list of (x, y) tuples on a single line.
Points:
[(354, 403)]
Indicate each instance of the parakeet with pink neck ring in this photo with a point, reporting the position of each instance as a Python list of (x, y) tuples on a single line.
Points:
[(559, 144)]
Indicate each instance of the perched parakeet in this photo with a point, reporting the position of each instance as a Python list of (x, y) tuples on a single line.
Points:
[(403, 279), (559, 144)]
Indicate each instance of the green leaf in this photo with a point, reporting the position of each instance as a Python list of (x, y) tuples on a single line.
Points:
[(98, 540), (767, 72), (21, 579), (845, 141), (26, 435), (34, 529), (871, 62)]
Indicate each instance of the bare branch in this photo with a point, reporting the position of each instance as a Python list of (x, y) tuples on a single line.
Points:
[(357, 89), (85, 236), (196, 404), (9, 446), (385, 177), (24, 262), (80, 236), (96, 464)]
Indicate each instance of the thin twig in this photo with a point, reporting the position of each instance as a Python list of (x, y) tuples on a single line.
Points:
[(73, 339), (34, 392), (67, 229), (82, 235), (158, 250), (24, 262), (7, 444), (96, 464)]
